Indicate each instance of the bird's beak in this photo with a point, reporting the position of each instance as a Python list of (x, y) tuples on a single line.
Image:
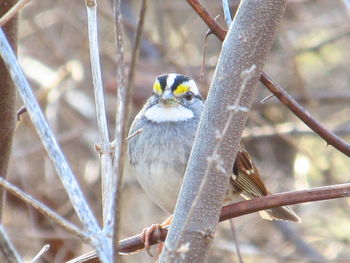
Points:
[(168, 99)]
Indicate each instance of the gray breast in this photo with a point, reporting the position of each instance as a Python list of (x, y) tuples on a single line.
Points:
[(159, 157)]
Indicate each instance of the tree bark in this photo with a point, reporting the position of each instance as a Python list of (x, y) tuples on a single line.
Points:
[(231, 94), (7, 98)]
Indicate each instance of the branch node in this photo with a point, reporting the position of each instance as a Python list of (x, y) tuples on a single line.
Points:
[(219, 163), (43, 250), (137, 132), (90, 3), (183, 249), (207, 234), (247, 73), (237, 108)]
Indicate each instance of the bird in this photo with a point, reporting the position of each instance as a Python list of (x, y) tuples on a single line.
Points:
[(160, 140)]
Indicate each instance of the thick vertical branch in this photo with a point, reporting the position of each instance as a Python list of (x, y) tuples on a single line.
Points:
[(7, 97), (240, 64)]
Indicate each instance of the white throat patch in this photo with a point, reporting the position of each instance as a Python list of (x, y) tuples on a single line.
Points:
[(163, 114)]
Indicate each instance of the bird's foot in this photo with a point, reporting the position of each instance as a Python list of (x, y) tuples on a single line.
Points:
[(146, 234)]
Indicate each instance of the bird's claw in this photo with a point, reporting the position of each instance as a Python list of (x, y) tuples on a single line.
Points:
[(146, 234)]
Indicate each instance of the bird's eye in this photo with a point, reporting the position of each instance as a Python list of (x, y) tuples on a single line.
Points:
[(189, 95)]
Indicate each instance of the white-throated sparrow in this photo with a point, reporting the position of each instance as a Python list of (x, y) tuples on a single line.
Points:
[(159, 154)]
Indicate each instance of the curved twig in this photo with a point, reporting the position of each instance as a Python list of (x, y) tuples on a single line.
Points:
[(330, 137)]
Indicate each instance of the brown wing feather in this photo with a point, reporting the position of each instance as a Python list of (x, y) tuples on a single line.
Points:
[(247, 175), (248, 183)]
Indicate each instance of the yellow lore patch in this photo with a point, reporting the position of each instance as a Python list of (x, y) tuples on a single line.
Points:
[(181, 89), (157, 88)]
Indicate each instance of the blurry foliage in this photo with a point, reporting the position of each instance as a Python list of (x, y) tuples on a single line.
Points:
[(310, 59)]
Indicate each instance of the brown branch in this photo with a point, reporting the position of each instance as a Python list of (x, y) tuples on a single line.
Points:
[(330, 137), (135, 243), (137, 42), (7, 97), (217, 30), (12, 12)]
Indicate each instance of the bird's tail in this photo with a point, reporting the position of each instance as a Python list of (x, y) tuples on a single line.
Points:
[(276, 213), (280, 213)]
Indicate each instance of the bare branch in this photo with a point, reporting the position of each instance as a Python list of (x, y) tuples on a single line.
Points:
[(292, 235), (7, 251), (137, 132), (136, 46), (65, 174), (208, 19), (7, 98), (12, 12), (330, 137), (234, 210), (43, 209), (234, 235), (282, 95), (123, 96), (285, 128), (227, 13), (42, 251), (205, 182), (107, 178)]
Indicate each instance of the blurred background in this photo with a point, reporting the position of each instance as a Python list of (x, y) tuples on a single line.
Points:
[(310, 59)]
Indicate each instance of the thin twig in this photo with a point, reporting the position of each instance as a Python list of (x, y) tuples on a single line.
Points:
[(98, 239), (205, 45), (20, 112), (44, 210), (305, 116), (286, 128), (227, 12), (106, 155), (43, 250), (335, 37), (282, 95), (208, 19), (303, 248), (123, 97), (137, 132), (266, 98), (137, 42), (238, 251), (7, 250), (12, 12)]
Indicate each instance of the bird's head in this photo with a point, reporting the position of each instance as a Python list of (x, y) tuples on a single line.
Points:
[(175, 98)]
